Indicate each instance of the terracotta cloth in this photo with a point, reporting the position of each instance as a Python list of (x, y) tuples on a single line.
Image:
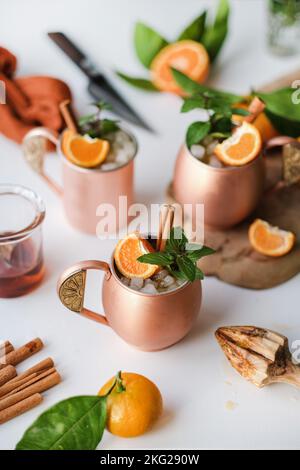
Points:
[(30, 101)]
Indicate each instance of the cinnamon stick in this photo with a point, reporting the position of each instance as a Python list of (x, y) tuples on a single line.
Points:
[(5, 348), (40, 367), (69, 116), (11, 388), (7, 374), (20, 407), (169, 221), (19, 355), (255, 108), (38, 387), (162, 220)]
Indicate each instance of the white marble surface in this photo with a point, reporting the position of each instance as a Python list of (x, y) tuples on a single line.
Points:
[(193, 376)]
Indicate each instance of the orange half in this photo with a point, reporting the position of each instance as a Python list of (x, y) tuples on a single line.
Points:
[(84, 151), (126, 253), (242, 147), (269, 240), (188, 56)]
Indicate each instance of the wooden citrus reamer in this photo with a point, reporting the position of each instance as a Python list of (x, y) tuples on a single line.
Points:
[(260, 355)]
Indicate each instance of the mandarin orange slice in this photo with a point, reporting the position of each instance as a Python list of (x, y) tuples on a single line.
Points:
[(242, 147), (269, 240), (188, 56), (126, 253), (85, 151)]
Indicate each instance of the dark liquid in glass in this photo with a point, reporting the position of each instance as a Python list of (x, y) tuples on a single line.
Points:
[(21, 268)]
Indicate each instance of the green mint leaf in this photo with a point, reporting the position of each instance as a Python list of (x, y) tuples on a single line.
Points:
[(177, 240), (102, 105), (108, 125), (196, 132), (194, 102), (160, 258), (187, 267), (199, 274), (141, 83), (147, 43), (223, 125), (240, 111), (215, 35), (86, 119), (191, 87), (201, 253), (195, 29), (73, 424)]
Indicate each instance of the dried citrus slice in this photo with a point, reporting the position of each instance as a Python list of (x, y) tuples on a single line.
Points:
[(126, 253), (269, 240), (86, 152), (190, 57), (242, 147)]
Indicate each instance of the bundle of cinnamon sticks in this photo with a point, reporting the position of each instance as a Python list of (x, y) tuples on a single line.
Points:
[(21, 393)]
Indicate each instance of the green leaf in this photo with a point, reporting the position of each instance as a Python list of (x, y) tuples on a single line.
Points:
[(195, 255), (199, 274), (215, 35), (282, 111), (141, 83), (190, 87), (86, 119), (187, 267), (194, 102), (159, 258), (222, 125), (73, 424), (108, 125), (195, 29), (240, 112), (147, 43), (177, 240), (196, 132)]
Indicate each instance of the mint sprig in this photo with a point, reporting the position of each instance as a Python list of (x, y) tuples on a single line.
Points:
[(94, 125), (179, 257), (220, 107)]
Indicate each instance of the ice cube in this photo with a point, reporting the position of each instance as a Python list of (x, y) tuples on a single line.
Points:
[(160, 275), (136, 283), (167, 281), (198, 151), (125, 281), (211, 147), (109, 166), (149, 289), (215, 162)]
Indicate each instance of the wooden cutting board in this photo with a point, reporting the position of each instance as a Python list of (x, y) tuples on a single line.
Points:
[(235, 262)]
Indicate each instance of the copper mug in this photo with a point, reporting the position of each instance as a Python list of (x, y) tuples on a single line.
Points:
[(229, 195), (148, 322), (83, 189)]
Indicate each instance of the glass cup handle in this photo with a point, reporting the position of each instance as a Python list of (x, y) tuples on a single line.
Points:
[(34, 150), (71, 288)]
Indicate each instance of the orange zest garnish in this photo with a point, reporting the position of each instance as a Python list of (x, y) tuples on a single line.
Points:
[(188, 56), (85, 152), (269, 240), (126, 253), (242, 147)]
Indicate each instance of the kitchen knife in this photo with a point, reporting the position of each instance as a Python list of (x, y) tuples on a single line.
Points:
[(99, 87)]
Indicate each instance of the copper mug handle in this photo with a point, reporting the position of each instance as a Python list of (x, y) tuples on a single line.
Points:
[(71, 288), (34, 151)]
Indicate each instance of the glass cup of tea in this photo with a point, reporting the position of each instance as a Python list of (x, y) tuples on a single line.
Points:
[(21, 252)]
